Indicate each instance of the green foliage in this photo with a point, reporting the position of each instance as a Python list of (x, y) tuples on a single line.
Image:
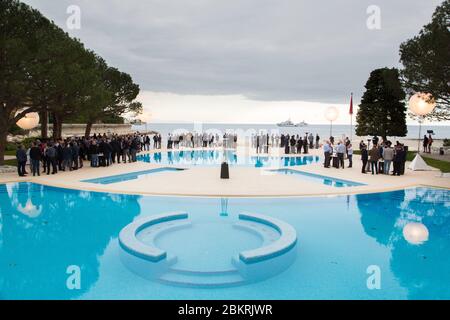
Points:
[(426, 61), (116, 97), (43, 69), (382, 110), (446, 142), (105, 118), (10, 146), (28, 141), (15, 130)]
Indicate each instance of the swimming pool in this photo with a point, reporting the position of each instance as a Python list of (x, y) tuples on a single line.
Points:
[(406, 234), (215, 158), (130, 176), (317, 178)]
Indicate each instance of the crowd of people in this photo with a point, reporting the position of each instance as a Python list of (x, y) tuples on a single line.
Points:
[(71, 153), (104, 150), (292, 144), (337, 152), (200, 140), (377, 159)]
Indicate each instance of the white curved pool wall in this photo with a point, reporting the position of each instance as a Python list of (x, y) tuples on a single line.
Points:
[(128, 237), (286, 241), (271, 258), (276, 254), (145, 259)]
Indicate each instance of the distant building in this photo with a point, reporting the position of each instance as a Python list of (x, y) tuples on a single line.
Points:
[(137, 122)]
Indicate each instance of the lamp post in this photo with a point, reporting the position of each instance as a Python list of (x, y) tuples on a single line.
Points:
[(331, 114), (420, 104)]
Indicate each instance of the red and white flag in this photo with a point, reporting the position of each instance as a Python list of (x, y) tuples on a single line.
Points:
[(351, 105)]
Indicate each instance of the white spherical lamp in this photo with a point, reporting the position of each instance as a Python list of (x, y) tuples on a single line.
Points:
[(331, 114), (29, 121), (415, 233), (422, 104)]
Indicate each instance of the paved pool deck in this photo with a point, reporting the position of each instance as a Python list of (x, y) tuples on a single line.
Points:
[(243, 182)]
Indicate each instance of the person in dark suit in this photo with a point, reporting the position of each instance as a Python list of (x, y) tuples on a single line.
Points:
[(75, 154), (305, 144), (35, 157), (299, 146), (50, 154), (82, 152), (364, 157), (21, 156), (403, 155), (59, 154), (108, 153), (286, 145), (93, 152), (258, 143), (133, 149), (116, 150), (67, 157), (398, 158)]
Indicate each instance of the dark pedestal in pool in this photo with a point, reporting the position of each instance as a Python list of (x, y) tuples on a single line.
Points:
[(224, 171)]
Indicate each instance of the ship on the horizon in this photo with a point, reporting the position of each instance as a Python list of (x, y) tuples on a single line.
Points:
[(289, 123)]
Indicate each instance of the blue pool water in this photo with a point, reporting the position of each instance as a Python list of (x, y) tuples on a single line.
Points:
[(406, 234), (129, 176), (317, 178), (215, 158)]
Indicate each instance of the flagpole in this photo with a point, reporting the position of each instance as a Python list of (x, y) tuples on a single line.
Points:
[(351, 128), (351, 118)]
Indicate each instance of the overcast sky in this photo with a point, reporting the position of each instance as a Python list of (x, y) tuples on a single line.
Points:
[(193, 59)]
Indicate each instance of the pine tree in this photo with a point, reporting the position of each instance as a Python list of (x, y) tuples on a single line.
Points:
[(382, 110), (426, 61)]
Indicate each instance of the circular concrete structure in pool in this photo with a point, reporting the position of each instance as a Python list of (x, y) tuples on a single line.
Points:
[(209, 252)]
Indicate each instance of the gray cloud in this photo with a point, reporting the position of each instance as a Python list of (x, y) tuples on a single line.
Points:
[(266, 50)]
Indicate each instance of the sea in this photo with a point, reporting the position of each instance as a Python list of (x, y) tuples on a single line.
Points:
[(324, 131)]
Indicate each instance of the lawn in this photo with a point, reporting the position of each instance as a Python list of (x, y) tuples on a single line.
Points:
[(10, 152), (444, 166), (12, 162)]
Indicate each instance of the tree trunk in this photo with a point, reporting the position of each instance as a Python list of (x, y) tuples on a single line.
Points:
[(44, 124), (55, 129), (60, 124), (3, 135), (57, 126), (87, 133)]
